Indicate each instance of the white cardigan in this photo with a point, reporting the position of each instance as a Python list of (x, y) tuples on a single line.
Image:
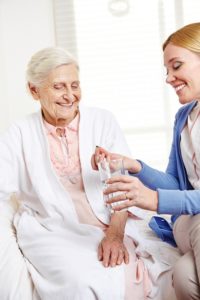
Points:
[(26, 170)]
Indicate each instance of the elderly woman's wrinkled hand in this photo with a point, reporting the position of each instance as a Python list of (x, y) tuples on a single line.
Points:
[(112, 251), (101, 153), (98, 155), (132, 191)]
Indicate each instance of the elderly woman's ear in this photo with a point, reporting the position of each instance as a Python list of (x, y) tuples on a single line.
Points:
[(34, 91)]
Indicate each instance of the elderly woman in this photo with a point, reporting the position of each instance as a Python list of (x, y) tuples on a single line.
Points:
[(68, 238)]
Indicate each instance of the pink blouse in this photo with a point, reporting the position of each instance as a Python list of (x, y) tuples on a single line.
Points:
[(64, 153)]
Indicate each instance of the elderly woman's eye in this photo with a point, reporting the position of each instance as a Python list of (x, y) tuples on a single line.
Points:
[(58, 86), (177, 65), (75, 85)]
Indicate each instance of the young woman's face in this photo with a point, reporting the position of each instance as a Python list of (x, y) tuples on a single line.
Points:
[(183, 72), (59, 95)]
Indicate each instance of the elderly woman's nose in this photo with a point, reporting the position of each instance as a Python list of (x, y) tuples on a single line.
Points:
[(68, 95)]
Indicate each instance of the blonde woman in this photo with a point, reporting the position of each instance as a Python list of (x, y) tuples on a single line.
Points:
[(177, 191)]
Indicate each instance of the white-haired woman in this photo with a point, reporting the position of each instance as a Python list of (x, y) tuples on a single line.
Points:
[(65, 232)]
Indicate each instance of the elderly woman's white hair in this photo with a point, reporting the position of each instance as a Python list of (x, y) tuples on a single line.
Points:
[(44, 61)]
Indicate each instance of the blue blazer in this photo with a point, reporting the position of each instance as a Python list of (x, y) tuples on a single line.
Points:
[(176, 195)]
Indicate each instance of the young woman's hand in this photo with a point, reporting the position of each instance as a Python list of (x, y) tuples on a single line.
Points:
[(132, 191)]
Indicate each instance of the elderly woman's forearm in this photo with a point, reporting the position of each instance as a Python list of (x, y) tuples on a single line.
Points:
[(118, 223)]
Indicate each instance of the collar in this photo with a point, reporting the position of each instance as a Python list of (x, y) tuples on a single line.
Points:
[(72, 126)]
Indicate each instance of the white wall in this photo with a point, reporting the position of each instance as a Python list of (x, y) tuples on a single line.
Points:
[(26, 26)]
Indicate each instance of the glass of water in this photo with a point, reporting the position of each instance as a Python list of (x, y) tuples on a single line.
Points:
[(108, 169)]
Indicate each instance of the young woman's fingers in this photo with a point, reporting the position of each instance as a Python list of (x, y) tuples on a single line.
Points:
[(121, 178)]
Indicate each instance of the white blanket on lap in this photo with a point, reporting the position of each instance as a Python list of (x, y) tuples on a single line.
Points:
[(16, 284)]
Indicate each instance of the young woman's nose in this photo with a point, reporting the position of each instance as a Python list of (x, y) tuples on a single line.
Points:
[(170, 77)]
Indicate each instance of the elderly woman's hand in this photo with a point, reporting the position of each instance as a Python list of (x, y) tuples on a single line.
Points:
[(100, 154), (129, 164), (132, 191), (111, 250)]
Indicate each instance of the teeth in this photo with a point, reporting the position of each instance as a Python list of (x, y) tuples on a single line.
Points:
[(65, 104), (178, 88)]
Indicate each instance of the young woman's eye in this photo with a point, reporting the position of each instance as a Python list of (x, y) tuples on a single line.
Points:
[(177, 65)]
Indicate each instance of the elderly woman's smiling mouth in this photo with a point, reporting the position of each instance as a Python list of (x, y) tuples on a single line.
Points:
[(64, 104)]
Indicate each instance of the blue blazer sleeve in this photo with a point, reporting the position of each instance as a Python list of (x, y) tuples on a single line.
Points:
[(176, 195)]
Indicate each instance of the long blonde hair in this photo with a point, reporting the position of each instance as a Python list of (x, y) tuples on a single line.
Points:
[(187, 37)]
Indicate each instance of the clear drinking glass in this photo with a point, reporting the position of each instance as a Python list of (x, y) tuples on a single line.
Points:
[(108, 169)]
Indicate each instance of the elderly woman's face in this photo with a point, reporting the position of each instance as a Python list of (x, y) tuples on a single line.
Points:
[(59, 95)]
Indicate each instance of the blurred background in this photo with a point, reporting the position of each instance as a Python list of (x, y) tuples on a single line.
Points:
[(118, 44)]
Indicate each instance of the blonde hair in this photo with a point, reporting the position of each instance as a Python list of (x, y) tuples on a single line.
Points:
[(44, 61), (187, 37)]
